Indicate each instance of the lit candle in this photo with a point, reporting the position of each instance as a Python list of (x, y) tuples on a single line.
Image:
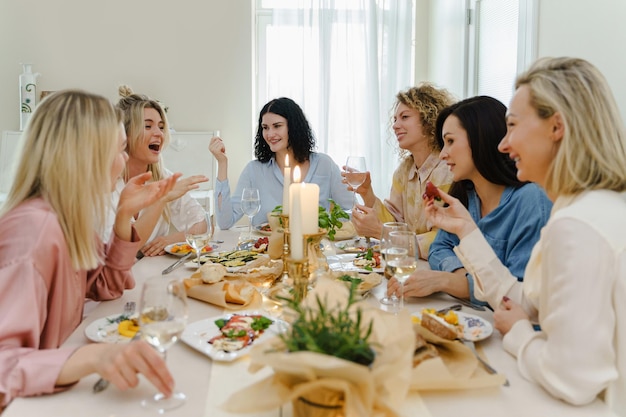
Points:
[(303, 219), (286, 183)]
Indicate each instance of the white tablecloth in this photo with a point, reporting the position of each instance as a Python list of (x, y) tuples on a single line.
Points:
[(207, 386)]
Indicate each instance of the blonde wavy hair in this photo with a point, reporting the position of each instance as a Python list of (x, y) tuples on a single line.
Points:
[(592, 152), (67, 152), (428, 100), (132, 106)]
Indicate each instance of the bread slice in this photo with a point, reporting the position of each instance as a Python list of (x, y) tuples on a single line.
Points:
[(238, 292), (440, 327)]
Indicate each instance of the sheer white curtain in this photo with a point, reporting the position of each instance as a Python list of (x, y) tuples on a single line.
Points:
[(343, 61)]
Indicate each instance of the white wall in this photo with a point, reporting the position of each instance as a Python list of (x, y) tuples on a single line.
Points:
[(593, 30), (195, 56)]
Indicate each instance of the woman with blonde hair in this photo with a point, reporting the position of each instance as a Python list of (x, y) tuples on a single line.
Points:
[(51, 257), (564, 132), (415, 115), (147, 130)]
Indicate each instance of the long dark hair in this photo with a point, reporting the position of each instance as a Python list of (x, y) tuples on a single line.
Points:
[(301, 139), (484, 120)]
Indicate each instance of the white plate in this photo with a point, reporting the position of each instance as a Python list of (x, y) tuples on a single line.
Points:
[(104, 330), (198, 334), (344, 262), (356, 245), (169, 247), (261, 231), (475, 328)]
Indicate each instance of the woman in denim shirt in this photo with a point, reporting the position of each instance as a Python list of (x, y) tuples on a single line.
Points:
[(509, 213)]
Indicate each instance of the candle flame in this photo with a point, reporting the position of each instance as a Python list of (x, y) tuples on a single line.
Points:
[(286, 161), (296, 174)]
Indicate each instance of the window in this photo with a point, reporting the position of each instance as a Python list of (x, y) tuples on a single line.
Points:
[(342, 61)]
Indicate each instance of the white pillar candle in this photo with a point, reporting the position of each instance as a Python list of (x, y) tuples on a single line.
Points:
[(309, 197), (286, 184), (296, 248)]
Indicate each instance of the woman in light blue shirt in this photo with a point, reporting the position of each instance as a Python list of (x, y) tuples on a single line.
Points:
[(510, 213), (283, 131)]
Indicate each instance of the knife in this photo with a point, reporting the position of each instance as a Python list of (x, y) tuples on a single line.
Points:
[(177, 263)]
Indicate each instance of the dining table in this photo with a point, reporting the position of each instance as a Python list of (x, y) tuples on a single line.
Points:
[(208, 383)]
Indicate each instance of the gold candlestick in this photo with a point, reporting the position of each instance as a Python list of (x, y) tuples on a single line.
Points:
[(284, 220), (302, 272), (298, 271)]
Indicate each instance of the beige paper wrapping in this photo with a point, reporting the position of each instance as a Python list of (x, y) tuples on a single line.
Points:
[(455, 368), (216, 293), (368, 391)]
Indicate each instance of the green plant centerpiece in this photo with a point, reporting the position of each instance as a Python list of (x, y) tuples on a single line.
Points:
[(335, 331), (328, 220)]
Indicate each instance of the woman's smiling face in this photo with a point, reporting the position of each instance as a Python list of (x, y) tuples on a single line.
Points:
[(151, 145), (275, 132)]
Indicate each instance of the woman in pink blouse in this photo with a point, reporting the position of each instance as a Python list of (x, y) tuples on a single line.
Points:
[(415, 114), (51, 257)]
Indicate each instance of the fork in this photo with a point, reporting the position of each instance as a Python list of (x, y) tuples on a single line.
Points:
[(129, 310), (484, 363)]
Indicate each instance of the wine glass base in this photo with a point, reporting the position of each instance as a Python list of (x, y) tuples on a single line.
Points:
[(161, 404), (386, 301)]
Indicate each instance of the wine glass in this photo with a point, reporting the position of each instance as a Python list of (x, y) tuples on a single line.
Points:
[(385, 245), (402, 260), (356, 172), (198, 234), (162, 319), (250, 204)]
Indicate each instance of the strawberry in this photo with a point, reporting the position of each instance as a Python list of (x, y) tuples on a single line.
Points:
[(431, 192)]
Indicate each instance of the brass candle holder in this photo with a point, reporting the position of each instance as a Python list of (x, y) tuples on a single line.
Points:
[(298, 270), (284, 220)]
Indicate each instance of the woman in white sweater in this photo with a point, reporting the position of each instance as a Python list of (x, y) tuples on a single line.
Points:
[(566, 323)]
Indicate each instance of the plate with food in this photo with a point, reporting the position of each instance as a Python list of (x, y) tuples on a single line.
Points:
[(229, 337), (357, 245), (181, 249), (232, 260), (264, 229), (365, 282), (364, 262), (454, 324), (116, 328)]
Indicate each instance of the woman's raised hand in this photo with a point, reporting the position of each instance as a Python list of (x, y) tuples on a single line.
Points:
[(364, 188), (217, 148), (454, 218), (366, 222), (184, 185), (138, 194)]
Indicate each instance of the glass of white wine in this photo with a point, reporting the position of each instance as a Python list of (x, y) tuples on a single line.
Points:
[(250, 205), (198, 234), (162, 319), (401, 261), (356, 173), (385, 247)]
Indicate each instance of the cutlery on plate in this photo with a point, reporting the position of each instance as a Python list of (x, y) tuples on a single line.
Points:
[(129, 310), (468, 303), (453, 307), (488, 367), (176, 264)]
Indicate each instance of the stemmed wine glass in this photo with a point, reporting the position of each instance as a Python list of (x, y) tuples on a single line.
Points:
[(385, 247), (250, 204), (356, 172), (402, 260), (199, 234), (162, 318)]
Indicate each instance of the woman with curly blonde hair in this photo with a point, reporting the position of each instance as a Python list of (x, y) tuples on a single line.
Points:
[(415, 115), (51, 258), (148, 134)]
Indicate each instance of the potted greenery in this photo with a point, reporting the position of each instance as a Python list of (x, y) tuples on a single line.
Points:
[(327, 220)]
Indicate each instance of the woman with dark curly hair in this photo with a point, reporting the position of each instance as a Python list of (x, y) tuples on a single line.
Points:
[(283, 131)]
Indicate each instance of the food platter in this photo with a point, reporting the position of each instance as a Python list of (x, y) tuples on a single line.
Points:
[(181, 249), (104, 330), (356, 245), (232, 260), (345, 262), (366, 284), (198, 334), (475, 328)]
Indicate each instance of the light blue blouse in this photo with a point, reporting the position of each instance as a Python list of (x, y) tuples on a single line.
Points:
[(511, 229), (268, 178)]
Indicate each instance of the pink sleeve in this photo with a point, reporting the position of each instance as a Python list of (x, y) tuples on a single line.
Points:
[(109, 281), (25, 369)]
